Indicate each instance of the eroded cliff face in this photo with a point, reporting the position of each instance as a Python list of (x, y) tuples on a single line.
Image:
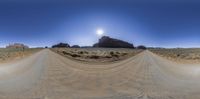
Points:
[(106, 41)]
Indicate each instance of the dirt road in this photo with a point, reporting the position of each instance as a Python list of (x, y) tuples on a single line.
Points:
[(47, 75)]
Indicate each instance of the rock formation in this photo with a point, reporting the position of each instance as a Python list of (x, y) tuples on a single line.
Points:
[(61, 45), (108, 42)]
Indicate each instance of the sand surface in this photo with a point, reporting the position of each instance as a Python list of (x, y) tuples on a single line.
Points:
[(47, 75)]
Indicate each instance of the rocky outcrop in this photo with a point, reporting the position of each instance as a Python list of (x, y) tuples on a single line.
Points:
[(61, 45), (141, 47), (75, 46), (108, 42)]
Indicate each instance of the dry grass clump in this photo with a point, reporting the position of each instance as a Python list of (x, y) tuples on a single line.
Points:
[(97, 55), (70, 54), (115, 54)]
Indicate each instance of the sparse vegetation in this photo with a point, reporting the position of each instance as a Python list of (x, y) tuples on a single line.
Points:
[(75, 55), (7, 54), (111, 53), (94, 57), (97, 55), (179, 54)]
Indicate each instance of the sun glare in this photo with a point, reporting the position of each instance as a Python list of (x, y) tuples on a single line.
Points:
[(99, 32)]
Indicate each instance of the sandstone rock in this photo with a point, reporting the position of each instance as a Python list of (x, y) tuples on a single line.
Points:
[(108, 42), (61, 45)]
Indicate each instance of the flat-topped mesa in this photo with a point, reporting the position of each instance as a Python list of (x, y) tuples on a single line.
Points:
[(61, 45), (108, 42)]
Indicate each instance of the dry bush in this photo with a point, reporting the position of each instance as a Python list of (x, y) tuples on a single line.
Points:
[(114, 54), (81, 52), (111, 53), (65, 53), (75, 55), (123, 54), (94, 57)]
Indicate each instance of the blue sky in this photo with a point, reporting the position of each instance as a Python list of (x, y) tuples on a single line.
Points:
[(150, 23)]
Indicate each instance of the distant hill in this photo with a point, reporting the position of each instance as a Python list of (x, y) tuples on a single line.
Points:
[(142, 47), (108, 42), (75, 46), (17, 45)]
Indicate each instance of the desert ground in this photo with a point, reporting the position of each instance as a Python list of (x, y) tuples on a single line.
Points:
[(47, 74), (181, 55), (14, 54)]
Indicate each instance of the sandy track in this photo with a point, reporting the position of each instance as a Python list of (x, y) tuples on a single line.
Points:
[(47, 75)]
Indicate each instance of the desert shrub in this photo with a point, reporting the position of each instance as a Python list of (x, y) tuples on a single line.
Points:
[(75, 55), (111, 53), (72, 51), (65, 53), (94, 57), (81, 52), (85, 52), (115, 55), (108, 56), (117, 52), (196, 58), (123, 54)]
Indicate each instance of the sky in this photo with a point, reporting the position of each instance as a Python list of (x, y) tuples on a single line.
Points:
[(155, 23)]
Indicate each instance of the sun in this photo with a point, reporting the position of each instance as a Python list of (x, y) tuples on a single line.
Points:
[(100, 32)]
